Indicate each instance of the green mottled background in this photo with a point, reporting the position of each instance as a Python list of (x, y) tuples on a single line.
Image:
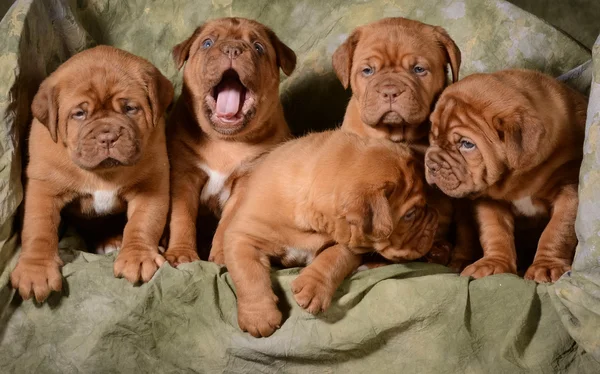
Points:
[(401, 318)]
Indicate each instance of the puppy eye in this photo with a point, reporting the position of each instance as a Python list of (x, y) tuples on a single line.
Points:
[(419, 70), (207, 43), (130, 109), (368, 71), (467, 144), (259, 48), (79, 115), (410, 215)]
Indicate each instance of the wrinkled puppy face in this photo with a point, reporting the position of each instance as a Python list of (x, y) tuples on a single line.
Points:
[(232, 74), (481, 128), (393, 212), (397, 68), (103, 104)]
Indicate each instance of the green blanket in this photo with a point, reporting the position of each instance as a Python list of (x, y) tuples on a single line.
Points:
[(415, 318)]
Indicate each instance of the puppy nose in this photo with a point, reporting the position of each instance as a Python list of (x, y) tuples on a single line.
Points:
[(107, 139), (231, 50), (433, 166), (390, 92)]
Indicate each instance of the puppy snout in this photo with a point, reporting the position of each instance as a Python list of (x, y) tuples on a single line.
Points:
[(389, 92), (433, 166), (107, 138), (232, 50)]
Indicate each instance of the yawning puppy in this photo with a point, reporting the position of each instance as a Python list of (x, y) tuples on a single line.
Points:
[(322, 201), (96, 147), (512, 139), (229, 111), (396, 68)]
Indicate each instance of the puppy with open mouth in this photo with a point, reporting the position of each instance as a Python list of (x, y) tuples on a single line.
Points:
[(513, 141), (323, 201), (229, 111)]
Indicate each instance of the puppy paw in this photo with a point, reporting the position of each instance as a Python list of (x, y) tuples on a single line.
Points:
[(136, 263), (312, 293), (109, 245), (547, 270), (488, 266), (181, 255), (259, 319), (218, 257), (37, 277)]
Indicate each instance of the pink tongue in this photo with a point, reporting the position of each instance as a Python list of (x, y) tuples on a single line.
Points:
[(228, 99)]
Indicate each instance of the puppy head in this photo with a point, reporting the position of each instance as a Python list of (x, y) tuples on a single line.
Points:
[(482, 128), (232, 74), (102, 105), (396, 68), (392, 212)]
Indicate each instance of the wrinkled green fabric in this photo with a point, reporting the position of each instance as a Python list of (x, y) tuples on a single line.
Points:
[(401, 318)]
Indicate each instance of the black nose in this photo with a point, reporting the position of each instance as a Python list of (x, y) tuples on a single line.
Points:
[(107, 138), (233, 51), (389, 92)]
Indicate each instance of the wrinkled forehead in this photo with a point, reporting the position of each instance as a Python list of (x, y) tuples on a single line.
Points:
[(393, 43), (235, 28)]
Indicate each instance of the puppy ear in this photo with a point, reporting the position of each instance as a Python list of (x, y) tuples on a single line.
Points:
[(45, 107), (452, 51), (181, 51), (522, 133), (286, 58), (160, 95), (342, 58), (373, 213)]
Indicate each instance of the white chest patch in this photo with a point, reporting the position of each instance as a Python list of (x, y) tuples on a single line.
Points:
[(526, 207), (214, 186), (104, 201), (298, 256)]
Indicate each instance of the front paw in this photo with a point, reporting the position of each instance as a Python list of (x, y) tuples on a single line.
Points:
[(109, 245), (547, 270), (37, 276), (136, 263), (311, 292), (259, 319), (181, 255), (217, 256), (489, 266)]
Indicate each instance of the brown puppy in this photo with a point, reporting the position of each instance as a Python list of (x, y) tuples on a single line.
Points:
[(396, 68), (97, 143), (322, 200), (229, 111), (514, 140)]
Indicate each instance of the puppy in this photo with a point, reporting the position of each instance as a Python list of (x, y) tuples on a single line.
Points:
[(97, 143), (513, 140), (229, 111), (396, 68), (322, 200)]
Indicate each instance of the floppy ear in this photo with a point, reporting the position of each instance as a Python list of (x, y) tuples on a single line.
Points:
[(286, 58), (181, 51), (342, 58), (373, 213), (523, 133), (452, 51), (160, 95), (45, 107)]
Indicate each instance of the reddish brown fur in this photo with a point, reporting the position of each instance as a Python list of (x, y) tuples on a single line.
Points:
[(527, 130), (196, 137), (330, 196), (67, 152)]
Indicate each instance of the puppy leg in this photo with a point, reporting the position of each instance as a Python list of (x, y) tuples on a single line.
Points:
[(496, 225), (315, 286), (558, 241), (250, 271), (38, 270), (217, 254), (466, 246), (185, 200), (147, 214)]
